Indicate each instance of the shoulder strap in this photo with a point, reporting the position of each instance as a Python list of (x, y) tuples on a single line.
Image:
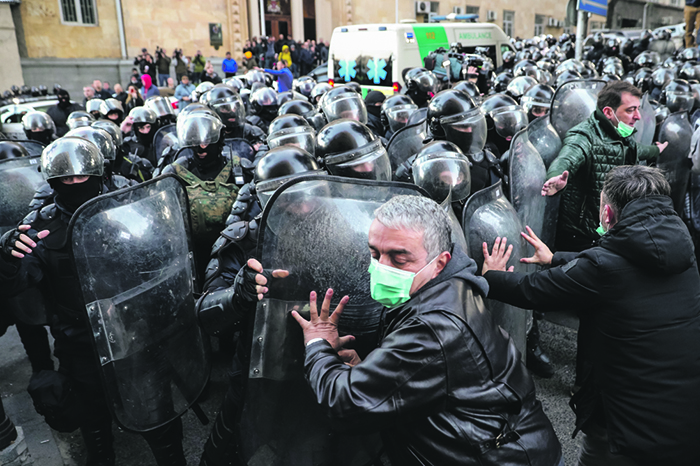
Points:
[(186, 175)]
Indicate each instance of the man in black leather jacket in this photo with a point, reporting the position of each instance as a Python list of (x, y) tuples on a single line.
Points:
[(640, 285), (446, 385)]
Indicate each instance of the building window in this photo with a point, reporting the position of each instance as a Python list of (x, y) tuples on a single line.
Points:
[(472, 10), (675, 2), (79, 12), (508, 20), (539, 25)]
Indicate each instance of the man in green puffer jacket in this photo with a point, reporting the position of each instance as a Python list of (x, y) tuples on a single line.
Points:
[(591, 149)]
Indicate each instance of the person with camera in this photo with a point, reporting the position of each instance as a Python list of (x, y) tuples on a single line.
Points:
[(143, 62), (163, 65), (199, 62), (181, 65)]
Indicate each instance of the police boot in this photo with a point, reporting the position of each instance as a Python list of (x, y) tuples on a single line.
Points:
[(166, 444), (221, 448), (98, 443), (537, 360), (8, 433)]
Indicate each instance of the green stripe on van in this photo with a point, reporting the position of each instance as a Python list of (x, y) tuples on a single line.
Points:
[(429, 37)]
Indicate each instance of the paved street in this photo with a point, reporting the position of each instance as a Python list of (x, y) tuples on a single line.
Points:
[(49, 448)]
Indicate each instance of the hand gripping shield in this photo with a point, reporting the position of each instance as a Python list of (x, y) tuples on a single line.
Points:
[(315, 226), (674, 160), (573, 102), (489, 215), (131, 249)]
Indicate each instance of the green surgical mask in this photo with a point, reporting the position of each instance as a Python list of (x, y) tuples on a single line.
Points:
[(390, 286), (600, 230), (624, 129)]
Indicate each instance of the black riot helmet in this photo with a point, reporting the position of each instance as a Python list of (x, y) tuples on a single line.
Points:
[(537, 101), (218, 91), (567, 76), (318, 91), (113, 110), (441, 168), (688, 71), (647, 59), (504, 118), (71, 156), (92, 106), (201, 89), (163, 109), (677, 95), (113, 131), (612, 46), (519, 68), (349, 148), (508, 59), (501, 81), (646, 35), (610, 78), (99, 137), (689, 54), (421, 85), (570, 65), (453, 116), (38, 126), (235, 83), (204, 133), (142, 117), (396, 110), (43, 90), (254, 76), (613, 68), (598, 40), (190, 109), (79, 118), (16, 90), (228, 105), (664, 34), (297, 107), (292, 130), (35, 91), (589, 70), (305, 85), (264, 103), (343, 102), (470, 89), (642, 79), (12, 150), (286, 96), (518, 86), (280, 165)]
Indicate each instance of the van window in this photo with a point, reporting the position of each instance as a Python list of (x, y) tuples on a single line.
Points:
[(365, 70)]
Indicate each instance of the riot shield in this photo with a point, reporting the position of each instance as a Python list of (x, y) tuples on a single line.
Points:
[(132, 254), (241, 147), (647, 125), (406, 142), (489, 215), (159, 143), (34, 148), (674, 160), (316, 227), (545, 138), (457, 233), (527, 175), (19, 179), (573, 102)]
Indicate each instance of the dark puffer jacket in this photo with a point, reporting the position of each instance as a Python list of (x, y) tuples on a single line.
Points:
[(443, 385), (591, 149), (642, 289)]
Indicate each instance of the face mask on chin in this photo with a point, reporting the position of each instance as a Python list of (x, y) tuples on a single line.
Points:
[(623, 129)]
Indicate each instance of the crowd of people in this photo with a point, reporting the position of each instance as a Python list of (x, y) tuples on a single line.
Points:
[(592, 154)]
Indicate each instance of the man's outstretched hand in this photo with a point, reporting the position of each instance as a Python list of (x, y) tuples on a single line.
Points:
[(498, 259), (542, 255), (325, 324), (555, 184)]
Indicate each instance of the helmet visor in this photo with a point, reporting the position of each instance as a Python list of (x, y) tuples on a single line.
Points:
[(679, 101), (199, 130), (71, 156), (398, 116), (466, 130), (508, 121), (231, 111), (301, 136), (348, 106), (441, 173), (370, 162)]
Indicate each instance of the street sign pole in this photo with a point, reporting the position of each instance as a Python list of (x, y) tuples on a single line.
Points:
[(581, 27), (596, 7)]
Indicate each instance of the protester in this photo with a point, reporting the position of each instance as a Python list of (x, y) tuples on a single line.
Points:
[(99, 91), (284, 76), (229, 66), (134, 98), (183, 92), (148, 90)]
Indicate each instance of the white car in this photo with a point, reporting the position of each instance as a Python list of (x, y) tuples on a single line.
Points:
[(677, 33)]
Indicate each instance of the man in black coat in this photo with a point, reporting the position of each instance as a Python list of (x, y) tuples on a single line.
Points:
[(638, 405), (59, 112), (445, 386)]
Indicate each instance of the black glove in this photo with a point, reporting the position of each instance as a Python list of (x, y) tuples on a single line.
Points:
[(8, 240), (244, 283)]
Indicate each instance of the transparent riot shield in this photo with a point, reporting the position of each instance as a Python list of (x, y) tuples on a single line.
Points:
[(674, 160), (527, 175), (406, 142), (316, 227), (19, 179), (159, 141), (241, 148), (489, 215), (545, 138), (132, 253), (647, 125), (457, 232), (573, 102)]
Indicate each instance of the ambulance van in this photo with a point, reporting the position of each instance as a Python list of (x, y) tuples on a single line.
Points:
[(374, 55)]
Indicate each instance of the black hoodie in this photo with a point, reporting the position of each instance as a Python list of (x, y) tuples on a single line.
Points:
[(642, 289)]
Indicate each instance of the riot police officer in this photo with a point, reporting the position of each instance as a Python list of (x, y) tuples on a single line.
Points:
[(128, 165), (112, 110), (38, 126), (264, 106), (36, 251), (396, 110), (421, 86), (144, 122)]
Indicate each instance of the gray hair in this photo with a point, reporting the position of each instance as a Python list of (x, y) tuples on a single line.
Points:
[(420, 214), (626, 183)]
